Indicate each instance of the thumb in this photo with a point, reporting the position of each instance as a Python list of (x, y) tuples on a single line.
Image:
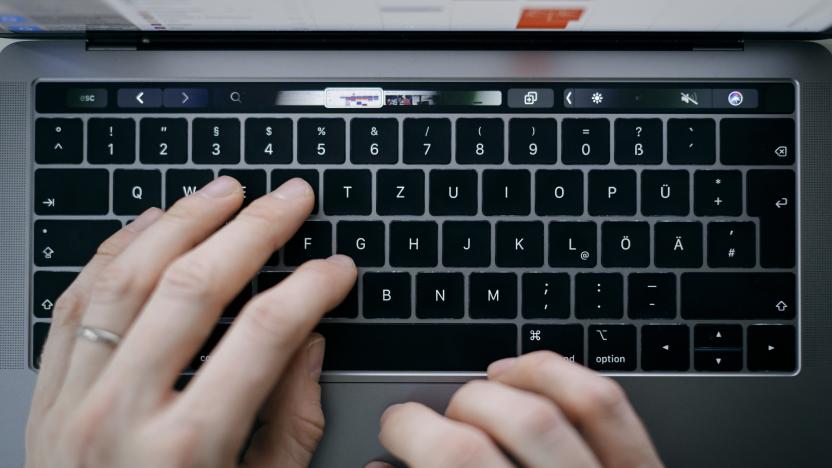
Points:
[(293, 421)]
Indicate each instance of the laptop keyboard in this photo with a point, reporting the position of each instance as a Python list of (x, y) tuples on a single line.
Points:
[(635, 228)]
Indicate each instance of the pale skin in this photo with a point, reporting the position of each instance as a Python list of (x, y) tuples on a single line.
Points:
[(162, 282)]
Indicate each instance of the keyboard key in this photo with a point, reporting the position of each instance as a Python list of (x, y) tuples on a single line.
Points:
[(427, 141), (506, 192), (59, 141), (479, 141), (651, 296), (111, 141), (665, 193), (386, 295), (400, 192), (453, 192), (638, 141), (599, 296), (467, 347), (757, 141), (321, 141), (40, 331), (70, 242), (573, 244), (374, 141), (181, 183), (559, 192), (72, 191), (772, 348), (719, 336), (269, 279), (691, 141), (625, 244), (204, 353), (612, 193), (466, 243), (363, 241), (163, 141), (738, 296), (665, 348), (348, 192), (678, 244), (546, 295), (732, 245), (566, 340), (532, 141), (313, 240), (586, 141), (413, 243), (519, 244), (281, 176), (216, 141), (236, 305), (612, 347), (252, 180), (771, 196), (269, 141), (47, 288), (440, 295), (717, 360), (492, 295), (134, 191), (348, 308), (717, 193)]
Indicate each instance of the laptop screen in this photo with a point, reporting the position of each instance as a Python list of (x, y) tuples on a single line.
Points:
[(68, 16)]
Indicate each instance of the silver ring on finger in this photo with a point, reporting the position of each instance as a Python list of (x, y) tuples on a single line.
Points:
[(98, 335)]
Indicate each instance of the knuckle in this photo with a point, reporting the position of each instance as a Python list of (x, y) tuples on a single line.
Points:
[(184, 210), (604, 397), (307, 428), (461, 448), (263, 319), (539, 416), (113, 283), (262, 212), (188, 279), (111, 246), (68, 307)]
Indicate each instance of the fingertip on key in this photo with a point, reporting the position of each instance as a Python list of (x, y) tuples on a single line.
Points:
[(293, 189)]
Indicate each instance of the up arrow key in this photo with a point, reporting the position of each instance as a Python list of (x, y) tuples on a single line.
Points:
[(58, 147)]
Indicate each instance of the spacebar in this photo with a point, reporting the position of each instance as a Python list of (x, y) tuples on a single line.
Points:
[(416, 347)]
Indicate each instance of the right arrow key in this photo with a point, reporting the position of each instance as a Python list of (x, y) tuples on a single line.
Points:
[(772, 348)]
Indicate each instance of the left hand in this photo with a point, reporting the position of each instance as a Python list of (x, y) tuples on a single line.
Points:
[(538, 409)]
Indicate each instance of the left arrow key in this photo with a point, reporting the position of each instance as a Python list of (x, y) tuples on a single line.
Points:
[(139, 98), (72, 191)]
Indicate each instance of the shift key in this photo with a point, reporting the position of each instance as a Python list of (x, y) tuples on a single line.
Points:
[(738, 296), (70, 242)]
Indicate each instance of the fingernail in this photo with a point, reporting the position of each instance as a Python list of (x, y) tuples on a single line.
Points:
[(315, 356), (221, 187), (378, 464), (292, 189), (145, 219), (341, 260), (498, 367), (389, 411)]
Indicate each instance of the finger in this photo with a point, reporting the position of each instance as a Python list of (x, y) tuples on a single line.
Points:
[(192, 291), (420, 437), (595, 404), (293, 421), (68, 309), (263, 338), (527, 425), (128, 280)]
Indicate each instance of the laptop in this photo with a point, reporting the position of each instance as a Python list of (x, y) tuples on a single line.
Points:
[(642, 187)]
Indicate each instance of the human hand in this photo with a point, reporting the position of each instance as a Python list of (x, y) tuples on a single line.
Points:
[(161, 283), (538, 410)]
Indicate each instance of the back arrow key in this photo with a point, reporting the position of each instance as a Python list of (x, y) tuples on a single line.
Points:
[(139, 98)]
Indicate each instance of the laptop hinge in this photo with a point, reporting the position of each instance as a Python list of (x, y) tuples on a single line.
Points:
[(411, 40)]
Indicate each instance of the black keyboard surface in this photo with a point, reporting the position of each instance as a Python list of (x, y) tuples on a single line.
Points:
[(622, 226)]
